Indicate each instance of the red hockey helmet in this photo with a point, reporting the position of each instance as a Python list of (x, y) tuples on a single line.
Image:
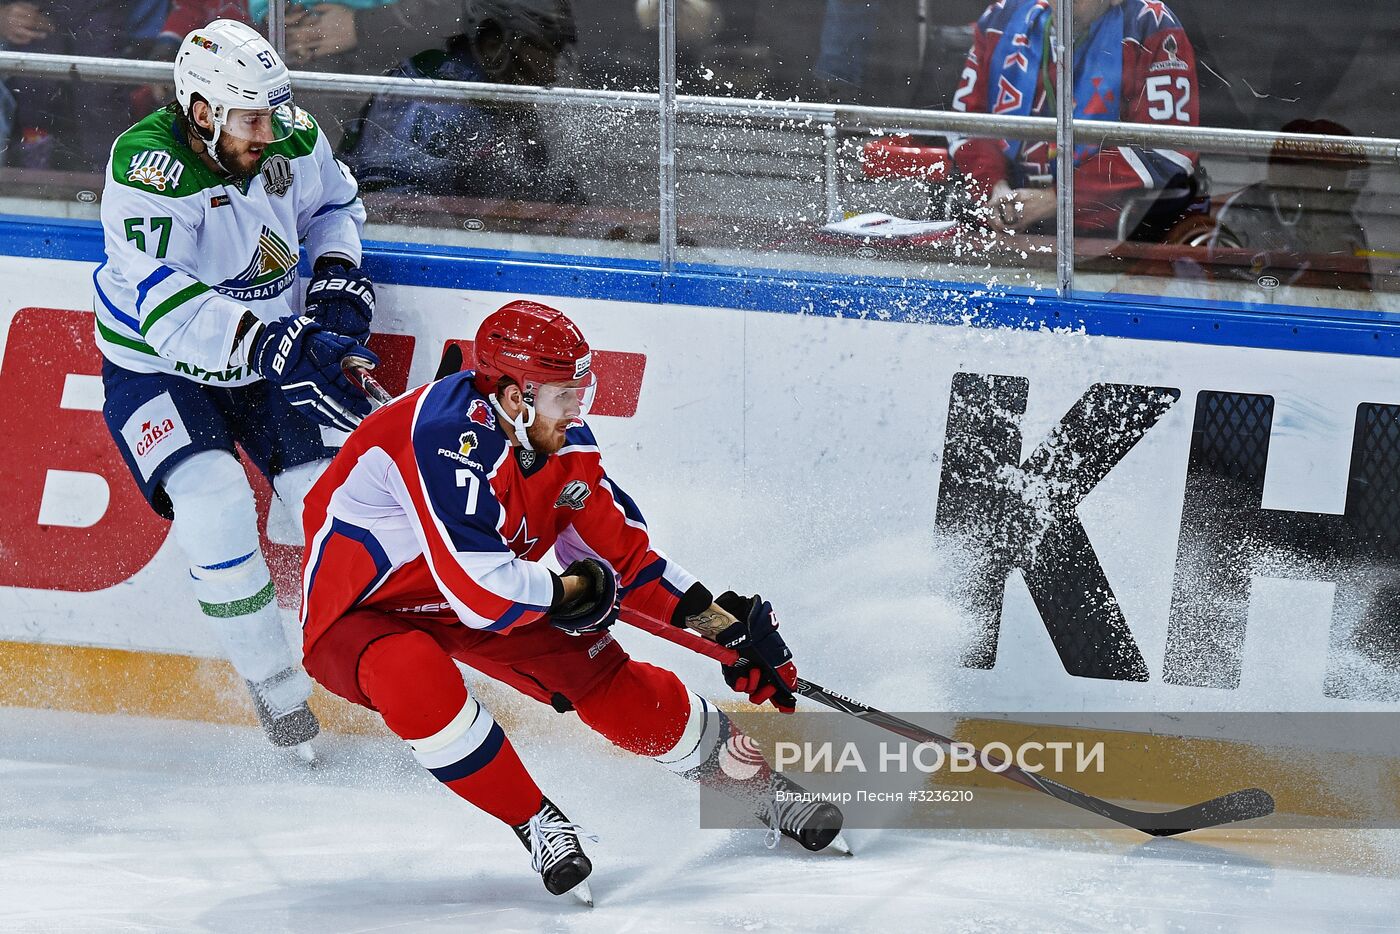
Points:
[(531, 344)]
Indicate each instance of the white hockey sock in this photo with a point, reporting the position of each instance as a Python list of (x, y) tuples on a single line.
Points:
[(695, 753), (216, 525), (239, 602)]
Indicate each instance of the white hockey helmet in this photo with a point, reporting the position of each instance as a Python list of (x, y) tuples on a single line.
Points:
[(236, 71)]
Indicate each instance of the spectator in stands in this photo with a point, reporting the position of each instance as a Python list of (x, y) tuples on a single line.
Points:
[(1133, 62), (56, 124), (1301, 220), (366, 36), (848, 27), (445, 148)]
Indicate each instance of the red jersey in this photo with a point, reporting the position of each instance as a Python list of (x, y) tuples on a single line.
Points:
[(429, 510), (1156, 84)]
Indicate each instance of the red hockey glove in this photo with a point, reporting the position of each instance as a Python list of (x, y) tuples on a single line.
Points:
[(764, 671)]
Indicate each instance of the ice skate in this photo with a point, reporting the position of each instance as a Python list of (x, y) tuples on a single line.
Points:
[(815, 825), (293, 729), (555, 851)]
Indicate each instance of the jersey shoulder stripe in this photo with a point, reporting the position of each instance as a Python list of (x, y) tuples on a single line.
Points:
[(152, 159)]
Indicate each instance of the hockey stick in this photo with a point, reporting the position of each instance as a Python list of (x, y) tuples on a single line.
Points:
[(1245, 804), (356, 369)]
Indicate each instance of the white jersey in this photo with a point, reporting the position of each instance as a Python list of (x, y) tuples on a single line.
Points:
[(188, 251)]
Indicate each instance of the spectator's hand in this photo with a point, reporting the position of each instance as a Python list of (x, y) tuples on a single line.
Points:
[(324, 30), (1013, 210), (22, 23)]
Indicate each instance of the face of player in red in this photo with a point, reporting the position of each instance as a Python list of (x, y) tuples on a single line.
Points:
[(558, 407), (547, 434)]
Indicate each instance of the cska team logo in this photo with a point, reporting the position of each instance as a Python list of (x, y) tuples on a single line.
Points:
[(468, 443), (480, 413), (1158, 9)]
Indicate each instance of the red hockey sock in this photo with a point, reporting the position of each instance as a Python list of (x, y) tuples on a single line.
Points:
[(641, 708), (418, 690)]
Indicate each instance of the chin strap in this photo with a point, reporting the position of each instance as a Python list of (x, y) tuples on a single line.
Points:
[(211, 145), (521, 423)]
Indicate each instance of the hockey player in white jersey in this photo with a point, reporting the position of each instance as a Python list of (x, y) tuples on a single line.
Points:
[(208, 343)]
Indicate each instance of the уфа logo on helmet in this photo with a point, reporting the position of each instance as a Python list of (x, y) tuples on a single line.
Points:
[(582, 365), (156, 168), (480, 413), (573, 495), (203, 43), (468, 443), (277, 174)]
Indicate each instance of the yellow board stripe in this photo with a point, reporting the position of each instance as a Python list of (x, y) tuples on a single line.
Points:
[(1141, 767)]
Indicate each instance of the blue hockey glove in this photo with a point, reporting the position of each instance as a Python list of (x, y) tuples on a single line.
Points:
[(596, 608), (341, 299), (764, 670), (301, 359)]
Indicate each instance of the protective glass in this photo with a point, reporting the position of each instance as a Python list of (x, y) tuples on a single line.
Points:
[(261, 126), (570, 400)]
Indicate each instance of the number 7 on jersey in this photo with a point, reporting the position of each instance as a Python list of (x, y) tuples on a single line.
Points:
[(469, 479)]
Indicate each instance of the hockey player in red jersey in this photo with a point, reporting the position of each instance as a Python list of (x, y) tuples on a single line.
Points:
[(425, 537), (1132, 62)]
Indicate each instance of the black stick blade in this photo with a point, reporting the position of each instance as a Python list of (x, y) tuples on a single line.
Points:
[(1245, 804), (451, 361)]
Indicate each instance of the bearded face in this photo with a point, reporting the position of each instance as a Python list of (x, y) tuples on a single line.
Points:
[(239, 156), (547, 434)]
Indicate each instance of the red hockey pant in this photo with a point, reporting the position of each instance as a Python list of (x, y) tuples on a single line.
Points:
[(402, 667)]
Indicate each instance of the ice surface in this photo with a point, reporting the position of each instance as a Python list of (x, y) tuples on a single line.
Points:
[(127, 824)]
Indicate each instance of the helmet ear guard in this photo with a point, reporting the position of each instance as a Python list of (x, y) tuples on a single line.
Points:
[(522, 422)]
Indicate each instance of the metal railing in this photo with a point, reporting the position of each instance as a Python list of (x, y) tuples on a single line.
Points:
[(846, 117), (827, 118)]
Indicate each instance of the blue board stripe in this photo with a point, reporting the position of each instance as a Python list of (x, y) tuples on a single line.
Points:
[(1236, 324)]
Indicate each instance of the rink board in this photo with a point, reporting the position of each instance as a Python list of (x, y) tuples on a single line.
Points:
[(952, 509)]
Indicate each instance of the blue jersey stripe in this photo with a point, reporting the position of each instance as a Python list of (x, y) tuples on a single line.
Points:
[(112, 309), (327, 208), (154, 279)]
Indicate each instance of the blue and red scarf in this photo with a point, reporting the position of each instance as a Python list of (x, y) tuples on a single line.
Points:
[(1024, 50)]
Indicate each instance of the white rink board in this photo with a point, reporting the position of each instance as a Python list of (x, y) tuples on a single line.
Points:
[(801, 457)]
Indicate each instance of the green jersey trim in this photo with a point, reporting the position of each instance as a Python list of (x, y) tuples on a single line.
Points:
[(130, 343), (150, 157), (194, 290)]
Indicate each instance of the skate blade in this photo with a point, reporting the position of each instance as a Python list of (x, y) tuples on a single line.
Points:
[(839, 844), (583, 893), (306, 753)]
